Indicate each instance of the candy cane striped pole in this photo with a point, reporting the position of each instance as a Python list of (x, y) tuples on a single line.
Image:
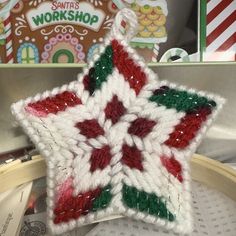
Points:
[(8, 36), (155, 52), (220, 30)]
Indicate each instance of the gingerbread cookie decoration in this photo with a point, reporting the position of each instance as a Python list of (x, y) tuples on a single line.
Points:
[(152, 19)]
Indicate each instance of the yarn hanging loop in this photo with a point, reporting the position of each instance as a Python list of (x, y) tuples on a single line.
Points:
[(129, 17)]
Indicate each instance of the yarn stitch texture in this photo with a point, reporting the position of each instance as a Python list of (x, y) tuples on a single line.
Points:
[(118, 141)]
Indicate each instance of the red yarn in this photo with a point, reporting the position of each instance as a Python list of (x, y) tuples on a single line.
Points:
[(141, 127), (187, 129), (114, 110), (86, 82), (126, 66), (90, 128), (71, 207), (53, 104), (173, 167), (100, 158), (132, 157)]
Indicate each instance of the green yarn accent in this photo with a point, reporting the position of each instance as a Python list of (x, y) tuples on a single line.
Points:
[(103, 200), (146, 202), (180, 100), (102, 68)]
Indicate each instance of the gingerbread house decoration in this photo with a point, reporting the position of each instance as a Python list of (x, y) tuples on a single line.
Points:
[(53, 31), (70, 31)]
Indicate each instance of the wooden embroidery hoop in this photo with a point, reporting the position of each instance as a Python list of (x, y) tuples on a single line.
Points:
[(207, 171)]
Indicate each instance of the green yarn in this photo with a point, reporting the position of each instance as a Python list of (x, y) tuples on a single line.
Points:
[(146, 202), (103, 200), (180, 100), (102, 68)]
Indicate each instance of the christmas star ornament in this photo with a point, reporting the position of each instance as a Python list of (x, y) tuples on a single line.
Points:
[(117, 140)]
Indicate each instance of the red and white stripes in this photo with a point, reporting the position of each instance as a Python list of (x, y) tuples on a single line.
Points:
[(8, 36), (220, 30), (155, 52)]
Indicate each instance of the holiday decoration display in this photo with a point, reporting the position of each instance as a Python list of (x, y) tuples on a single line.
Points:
[(218, 30), (152, 18), (174, 54), (152, 24), (59, 31), (117, 140), (53, 31)]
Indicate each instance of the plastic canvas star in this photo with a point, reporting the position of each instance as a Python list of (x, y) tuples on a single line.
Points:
[(117, 140)]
